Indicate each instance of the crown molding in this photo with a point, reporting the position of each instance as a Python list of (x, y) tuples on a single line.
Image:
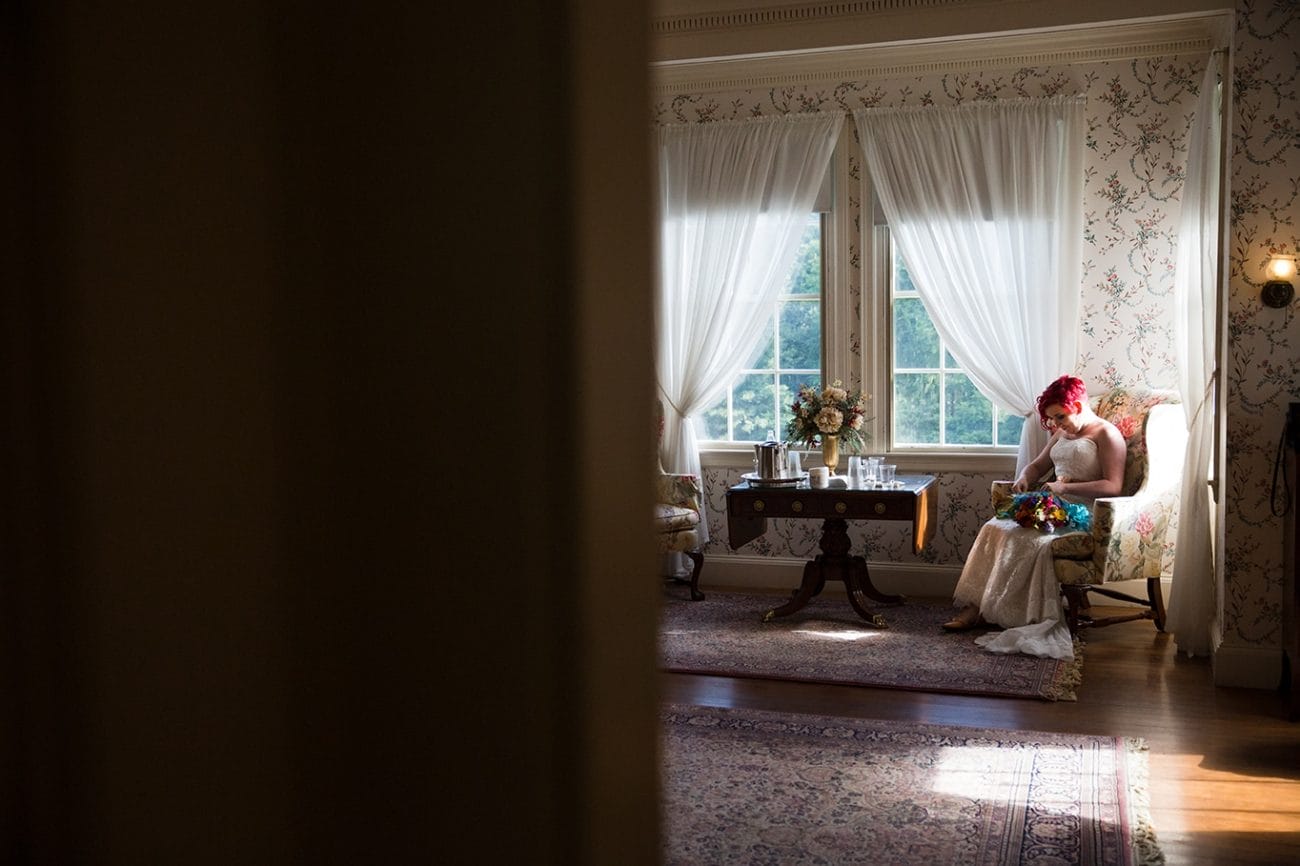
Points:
[(1090, 43), (794, 13)]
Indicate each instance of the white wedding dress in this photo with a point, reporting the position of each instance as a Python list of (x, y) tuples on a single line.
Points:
[(1009, 573)]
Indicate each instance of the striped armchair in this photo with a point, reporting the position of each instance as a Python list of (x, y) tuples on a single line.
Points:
[(1130, 531)]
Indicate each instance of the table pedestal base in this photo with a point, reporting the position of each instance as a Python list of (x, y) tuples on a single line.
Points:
[(835, 563)]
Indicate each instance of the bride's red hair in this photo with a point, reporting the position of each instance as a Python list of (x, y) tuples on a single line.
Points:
[(1062, 392)]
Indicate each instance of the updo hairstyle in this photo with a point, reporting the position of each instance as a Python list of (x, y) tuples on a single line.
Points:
[(1062, 392)]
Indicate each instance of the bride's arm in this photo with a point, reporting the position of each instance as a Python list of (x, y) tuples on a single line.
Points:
[(1040, 467)]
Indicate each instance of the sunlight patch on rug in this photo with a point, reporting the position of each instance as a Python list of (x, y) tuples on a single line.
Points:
[(845, 635)]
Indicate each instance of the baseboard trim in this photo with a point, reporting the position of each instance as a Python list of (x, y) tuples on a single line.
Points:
[(1248, 667), (740, 573)]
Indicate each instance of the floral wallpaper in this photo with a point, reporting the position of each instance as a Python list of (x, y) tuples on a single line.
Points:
[(1138, 116), (1263, 350)]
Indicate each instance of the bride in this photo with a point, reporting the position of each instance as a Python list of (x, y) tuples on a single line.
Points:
[(1008, 579)]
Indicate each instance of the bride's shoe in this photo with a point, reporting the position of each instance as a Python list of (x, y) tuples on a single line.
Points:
[(968, 617)]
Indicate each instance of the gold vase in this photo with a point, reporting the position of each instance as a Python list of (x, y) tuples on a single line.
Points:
[(830, 451)]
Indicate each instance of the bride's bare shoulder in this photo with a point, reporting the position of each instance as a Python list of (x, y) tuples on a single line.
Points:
[(1108, 434)]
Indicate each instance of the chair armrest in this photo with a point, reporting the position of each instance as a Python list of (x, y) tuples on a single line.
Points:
[(681, 490), (1130, 534)]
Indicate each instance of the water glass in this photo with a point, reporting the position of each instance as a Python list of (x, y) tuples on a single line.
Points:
[(795, 471), (887, 474), (855, 472), (871, 470)]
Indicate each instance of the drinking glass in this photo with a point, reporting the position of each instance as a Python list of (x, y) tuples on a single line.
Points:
[(854, 478), (887, 474), (795, 471), (871, 470)]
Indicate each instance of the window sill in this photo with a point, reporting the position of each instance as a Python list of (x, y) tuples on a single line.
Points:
[(742, 457)]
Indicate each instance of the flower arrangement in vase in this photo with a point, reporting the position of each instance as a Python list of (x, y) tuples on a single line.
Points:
[(832, 416)]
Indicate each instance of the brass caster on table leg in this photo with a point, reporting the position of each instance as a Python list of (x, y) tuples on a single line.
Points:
[(770, 615), (878, 621)]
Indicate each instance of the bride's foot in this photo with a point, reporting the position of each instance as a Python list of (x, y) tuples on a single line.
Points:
[(967, 617)]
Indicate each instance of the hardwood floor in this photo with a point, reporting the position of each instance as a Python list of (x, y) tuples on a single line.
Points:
[(1225, 763)]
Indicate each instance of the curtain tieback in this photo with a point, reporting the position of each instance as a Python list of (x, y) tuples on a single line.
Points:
[(669, 401)]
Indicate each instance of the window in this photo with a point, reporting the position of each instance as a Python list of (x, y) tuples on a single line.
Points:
[(934, 404), (757, 402)]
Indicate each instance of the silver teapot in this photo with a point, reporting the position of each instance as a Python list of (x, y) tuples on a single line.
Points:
[(773, 459)]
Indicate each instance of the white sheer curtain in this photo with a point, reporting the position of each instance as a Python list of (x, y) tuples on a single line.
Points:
[(1192, 601), (734, 199), (985, 204)]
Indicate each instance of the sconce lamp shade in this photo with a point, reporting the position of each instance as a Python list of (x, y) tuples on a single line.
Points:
[(1278, 291), (1281, 267)]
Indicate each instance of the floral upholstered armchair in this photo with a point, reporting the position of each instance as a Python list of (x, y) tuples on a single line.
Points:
[(1130, 531), (678, 512)]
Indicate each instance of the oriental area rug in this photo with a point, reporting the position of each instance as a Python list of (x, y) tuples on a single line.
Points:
[(826, 642), (744, 786)]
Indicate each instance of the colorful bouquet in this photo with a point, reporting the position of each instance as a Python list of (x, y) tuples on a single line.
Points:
[(832, 411), (1041, 510)]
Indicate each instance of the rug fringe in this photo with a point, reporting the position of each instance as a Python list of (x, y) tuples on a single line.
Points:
[(1062, 689), (1146, 850)]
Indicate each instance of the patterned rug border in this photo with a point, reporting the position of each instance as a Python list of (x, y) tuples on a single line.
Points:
[(1054, 680), (1132, 774)]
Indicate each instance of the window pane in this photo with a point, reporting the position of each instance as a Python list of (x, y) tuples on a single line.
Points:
[(766, 358), (1009, 428), (949, 362), (806, 278), (968, 414), (916, 342), (790, 385), (801, 334), (916, 408), (902, 279), (753, 409), (713, 421)]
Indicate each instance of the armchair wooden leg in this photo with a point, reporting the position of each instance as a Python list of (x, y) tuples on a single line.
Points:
[(697, 557), (1076, 600), (1157, 602)]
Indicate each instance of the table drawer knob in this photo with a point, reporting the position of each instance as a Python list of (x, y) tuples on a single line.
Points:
[(880, 508), (840, 508), (758, 505), (796, 506)]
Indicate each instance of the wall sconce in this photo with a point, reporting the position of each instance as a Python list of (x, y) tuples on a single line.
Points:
[(1279, 291)]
